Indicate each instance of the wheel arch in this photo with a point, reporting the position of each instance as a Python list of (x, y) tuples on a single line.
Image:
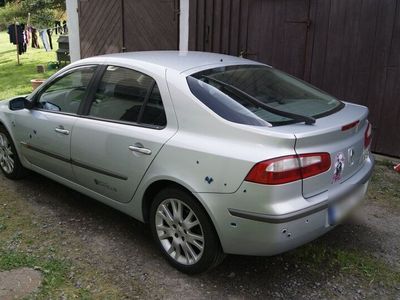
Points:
[(8, 128), (156, 186)]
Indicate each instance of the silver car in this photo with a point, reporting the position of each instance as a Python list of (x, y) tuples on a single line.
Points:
[(218, 154)]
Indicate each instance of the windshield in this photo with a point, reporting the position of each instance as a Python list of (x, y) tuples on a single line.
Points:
[(229, 92)]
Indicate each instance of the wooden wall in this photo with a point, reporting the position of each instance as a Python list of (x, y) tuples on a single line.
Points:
[(112, 26), (349, 48)]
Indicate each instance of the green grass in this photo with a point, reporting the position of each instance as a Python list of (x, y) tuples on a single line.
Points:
[(15, 79), (346, 261), (386, 185), (54, 271), (25, 243)]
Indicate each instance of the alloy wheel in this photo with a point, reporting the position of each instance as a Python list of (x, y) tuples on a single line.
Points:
[(6, 154), (179, 231)]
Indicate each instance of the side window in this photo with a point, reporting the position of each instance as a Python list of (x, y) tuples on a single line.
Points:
[(122, 96), (67, 93), (154, 113)]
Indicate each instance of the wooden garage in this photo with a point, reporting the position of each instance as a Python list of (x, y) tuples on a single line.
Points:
[(348, 48)]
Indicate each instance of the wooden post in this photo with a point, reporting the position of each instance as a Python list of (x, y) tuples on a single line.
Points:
[(16, 39)]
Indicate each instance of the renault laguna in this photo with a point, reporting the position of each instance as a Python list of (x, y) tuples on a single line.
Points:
[(219, 154)]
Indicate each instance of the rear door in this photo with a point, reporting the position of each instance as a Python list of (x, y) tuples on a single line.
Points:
[(124, 129), (342, 136)]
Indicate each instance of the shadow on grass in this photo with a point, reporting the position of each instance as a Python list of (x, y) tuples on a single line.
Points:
[(9, 51)]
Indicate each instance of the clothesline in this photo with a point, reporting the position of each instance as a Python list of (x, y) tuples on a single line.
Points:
[(21, 35)]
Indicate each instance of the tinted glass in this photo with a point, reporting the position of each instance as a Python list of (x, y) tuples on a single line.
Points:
[(66, 94), (154, 110), (121, 95), (272, 87)]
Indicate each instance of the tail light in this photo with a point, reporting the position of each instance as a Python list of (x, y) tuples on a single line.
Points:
[(368, 136), (289, 168)]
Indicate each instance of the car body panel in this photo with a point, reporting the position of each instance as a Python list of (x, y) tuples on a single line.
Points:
[(198, 151), (103, 161), (327, 136), (40, 144)]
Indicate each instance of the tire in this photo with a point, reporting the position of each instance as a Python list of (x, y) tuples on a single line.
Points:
[(10, 164), (188, 247)]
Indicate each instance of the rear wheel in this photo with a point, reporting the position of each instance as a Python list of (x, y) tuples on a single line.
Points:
[(10, 164), (184, 232)]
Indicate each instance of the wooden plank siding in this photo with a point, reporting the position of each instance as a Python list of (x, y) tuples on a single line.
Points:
[(349, 48), (112, 26), (100, 27), (218, 25), (150, 25)]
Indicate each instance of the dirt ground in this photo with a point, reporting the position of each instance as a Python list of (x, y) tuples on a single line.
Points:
[(87, 250)]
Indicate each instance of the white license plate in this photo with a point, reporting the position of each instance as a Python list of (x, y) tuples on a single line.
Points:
[(340, 209)]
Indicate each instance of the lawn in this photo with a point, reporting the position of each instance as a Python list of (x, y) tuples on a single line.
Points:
[(15, 79)]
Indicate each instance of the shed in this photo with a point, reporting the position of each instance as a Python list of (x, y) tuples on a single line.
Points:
[(348, 48)]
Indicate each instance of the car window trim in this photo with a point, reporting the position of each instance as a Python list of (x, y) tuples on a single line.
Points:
[(144, 125), (146, 100), (93, 89), (59, 77)]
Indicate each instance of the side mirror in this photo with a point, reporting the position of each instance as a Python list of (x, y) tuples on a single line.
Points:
[(20, 103)]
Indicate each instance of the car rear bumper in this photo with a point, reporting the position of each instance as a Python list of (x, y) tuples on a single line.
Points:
[(251, 232)]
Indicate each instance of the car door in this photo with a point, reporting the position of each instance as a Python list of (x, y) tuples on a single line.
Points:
[(44, 131), (124, 129)]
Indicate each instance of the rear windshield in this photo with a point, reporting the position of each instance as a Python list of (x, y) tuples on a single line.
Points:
[(274, 88)]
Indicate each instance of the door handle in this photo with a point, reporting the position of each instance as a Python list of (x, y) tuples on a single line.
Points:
[(62, 131), (139, 148)]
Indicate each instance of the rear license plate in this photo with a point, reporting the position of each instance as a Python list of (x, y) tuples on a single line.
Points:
[(340, 209)]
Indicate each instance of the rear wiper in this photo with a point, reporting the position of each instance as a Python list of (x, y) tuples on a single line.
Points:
[(241, 94)]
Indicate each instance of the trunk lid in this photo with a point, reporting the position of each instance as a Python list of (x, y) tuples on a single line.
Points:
[(346, 147)]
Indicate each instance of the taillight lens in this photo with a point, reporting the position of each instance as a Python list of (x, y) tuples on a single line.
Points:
[(289, 168), (368, 136)]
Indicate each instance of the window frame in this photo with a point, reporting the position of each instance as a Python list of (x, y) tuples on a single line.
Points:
[(91, 97), (39, 93)]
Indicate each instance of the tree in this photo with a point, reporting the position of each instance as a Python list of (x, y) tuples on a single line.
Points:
[(43, 12)]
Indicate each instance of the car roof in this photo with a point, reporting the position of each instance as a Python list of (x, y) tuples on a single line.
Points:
[(179, 61)]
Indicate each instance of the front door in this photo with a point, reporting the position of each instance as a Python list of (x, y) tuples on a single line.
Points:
[(126, 126), (44, 132)]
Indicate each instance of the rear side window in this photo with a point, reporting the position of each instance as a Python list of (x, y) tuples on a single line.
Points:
[(259, 95), (128, 96)]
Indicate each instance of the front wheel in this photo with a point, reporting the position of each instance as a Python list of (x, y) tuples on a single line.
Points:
[(184, 232), (10, 164)]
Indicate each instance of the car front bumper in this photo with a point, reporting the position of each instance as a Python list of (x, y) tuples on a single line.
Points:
[(262, 231)]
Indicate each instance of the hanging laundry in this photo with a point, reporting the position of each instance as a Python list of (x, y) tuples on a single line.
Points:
[(58, 27), (35, 42), (27, 36), (18, 36), (49, 32), (65, 27), (44, 38)]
